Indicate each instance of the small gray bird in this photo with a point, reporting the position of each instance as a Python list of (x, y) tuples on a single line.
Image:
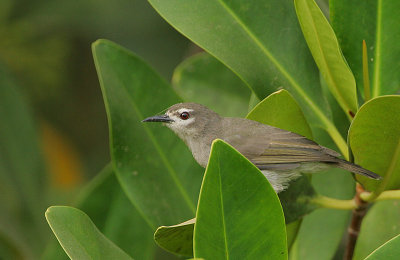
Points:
[(280, 155)]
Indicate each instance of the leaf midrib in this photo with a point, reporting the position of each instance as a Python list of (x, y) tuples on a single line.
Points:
[(222, 210), (109, 121), (339, 94), (390, 170), (376, 87), (164, 159), (329, 126), (169, 168)]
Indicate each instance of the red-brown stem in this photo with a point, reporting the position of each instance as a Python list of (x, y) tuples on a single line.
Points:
[(356, 219)]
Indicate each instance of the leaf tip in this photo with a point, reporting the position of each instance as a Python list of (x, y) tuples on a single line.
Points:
[(101, 42), (217, 142), (281, 91), (48, 211)]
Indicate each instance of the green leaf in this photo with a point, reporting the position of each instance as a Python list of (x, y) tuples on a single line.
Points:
[(321, 40), (117, 219), (280, 110), (177, 239), (379, 225), (247, 36), (203, 79), (390, 250), (326, 226), (376, 22), (296, 199), (112, 212), (239, 215), (375, 141), (154, 167), (292, 230), (79, 237), (340, 118)]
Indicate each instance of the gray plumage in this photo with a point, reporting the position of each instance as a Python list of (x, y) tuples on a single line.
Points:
[(281, 155)]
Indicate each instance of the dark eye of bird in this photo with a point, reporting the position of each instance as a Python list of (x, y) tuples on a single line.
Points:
[(184, 115)]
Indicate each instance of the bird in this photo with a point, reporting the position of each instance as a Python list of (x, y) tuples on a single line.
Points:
[(282, 156)]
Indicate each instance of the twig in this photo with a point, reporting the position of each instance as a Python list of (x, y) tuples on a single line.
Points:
[(356, 219), (386, 195), (332, 203)]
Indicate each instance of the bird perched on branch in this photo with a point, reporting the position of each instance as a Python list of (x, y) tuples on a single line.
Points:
[(280, 155)]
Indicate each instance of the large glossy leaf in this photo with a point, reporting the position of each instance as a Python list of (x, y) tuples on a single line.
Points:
[(376, 22), (261, 41), (239, 215), (390, 250), (203, 79), (22, 183), (322, 41), (79, 236), (381, 223), (154, 167), (375, 141)]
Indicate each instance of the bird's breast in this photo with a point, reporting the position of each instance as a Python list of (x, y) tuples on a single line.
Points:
[(200, 151)]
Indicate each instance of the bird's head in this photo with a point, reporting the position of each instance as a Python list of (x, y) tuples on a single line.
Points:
[(187, 119)]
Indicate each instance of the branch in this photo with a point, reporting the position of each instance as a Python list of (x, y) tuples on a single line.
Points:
[(332, 203), (386, 195), (356, 219), (339, 141)]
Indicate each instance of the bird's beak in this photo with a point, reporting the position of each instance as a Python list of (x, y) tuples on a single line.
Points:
[(159, 118)]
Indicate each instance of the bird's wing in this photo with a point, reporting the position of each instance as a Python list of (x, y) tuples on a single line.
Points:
[(267, 146)]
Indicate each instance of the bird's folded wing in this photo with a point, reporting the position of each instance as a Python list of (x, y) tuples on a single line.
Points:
[(281, 147), (291, 155)]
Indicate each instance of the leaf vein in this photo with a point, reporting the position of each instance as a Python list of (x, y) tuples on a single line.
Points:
[(376, 88), (222, 209), (327, 123)]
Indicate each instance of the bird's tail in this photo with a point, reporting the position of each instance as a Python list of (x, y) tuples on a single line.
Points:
[(351, 167)]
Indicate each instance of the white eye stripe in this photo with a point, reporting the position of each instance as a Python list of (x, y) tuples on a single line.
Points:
[(180, 111)]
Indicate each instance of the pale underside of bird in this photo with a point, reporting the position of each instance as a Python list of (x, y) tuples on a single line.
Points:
[(279, 154)]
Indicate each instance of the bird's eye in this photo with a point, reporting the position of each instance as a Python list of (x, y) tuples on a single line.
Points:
[(184, 115)]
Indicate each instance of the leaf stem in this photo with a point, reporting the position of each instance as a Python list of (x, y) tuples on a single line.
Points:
[(386, 195), (331, 203), (367, 91), (338, 139)]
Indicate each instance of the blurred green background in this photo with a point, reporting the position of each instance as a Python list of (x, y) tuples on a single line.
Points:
[(45, 49), (53, 132)]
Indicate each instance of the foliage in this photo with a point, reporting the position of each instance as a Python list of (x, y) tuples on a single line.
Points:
[(232, 226), (22, 176), (303, 69), (79, 236)]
